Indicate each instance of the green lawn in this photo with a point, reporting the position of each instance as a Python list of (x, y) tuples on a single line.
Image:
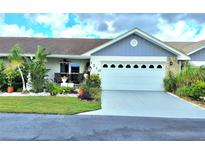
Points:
[(49, 105)]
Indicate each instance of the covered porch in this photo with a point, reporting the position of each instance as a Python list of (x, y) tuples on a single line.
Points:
[(72, 69)]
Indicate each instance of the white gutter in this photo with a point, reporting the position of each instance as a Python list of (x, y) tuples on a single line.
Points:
[(196, 50), (52, 56)]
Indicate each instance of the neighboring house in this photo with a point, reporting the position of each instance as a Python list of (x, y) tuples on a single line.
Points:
[(132, 61)]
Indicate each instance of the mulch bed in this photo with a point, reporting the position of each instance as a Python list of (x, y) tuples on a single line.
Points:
[(197, 102)]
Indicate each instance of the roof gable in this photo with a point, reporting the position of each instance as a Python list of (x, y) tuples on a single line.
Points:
[(124, 48), (180, 55)]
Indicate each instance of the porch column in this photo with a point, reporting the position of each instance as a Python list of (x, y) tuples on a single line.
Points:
[(69, 67), (180, 65)]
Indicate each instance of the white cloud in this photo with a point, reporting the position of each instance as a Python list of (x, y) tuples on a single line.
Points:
[(107, 26), (15, 30), (112, 26), (88, 31), (56, 22), (84, 28), (180, 31)]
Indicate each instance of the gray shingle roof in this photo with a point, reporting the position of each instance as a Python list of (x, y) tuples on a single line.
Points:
[(75, 46), (187, 47), (62, 46)]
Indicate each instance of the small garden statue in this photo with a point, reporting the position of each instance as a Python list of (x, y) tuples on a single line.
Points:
[(29, 83)]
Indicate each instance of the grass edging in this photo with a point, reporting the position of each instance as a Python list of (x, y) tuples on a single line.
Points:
[(46, 105)]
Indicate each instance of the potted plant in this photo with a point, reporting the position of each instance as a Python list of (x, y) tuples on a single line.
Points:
[(10, 75), (81, 90)]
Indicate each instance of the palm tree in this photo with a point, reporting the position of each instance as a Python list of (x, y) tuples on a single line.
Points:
[(41, 55), (17, 61), (37, 68)]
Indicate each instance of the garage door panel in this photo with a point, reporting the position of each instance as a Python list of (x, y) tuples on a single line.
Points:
[(132, 79)]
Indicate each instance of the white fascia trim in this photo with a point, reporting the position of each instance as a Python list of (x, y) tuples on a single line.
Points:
[(128, 58), (3, 54), (6, 54), (69, 56), (53, 56), (183, 58), (196, 50), (145, 36), (197, 63)]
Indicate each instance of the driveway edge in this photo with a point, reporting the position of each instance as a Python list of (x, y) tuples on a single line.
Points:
[(185, 100)]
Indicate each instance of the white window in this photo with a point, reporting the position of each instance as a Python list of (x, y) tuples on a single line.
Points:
[(151, 66), (143, 66), (133, 42), (159, 66), (75, 68), (112, 66), (136, 66), (105, 66), (120, 66), (128, 66)]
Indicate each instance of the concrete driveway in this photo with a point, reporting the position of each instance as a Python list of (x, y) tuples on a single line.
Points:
[(146, 104)]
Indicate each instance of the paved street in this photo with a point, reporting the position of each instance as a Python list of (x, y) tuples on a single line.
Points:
[(85, 127)]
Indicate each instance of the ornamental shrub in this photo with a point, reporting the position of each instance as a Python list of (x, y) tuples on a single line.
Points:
[(54, 89), (197, 90), (93, 81), (66, 90), (96, 93), (189, 75), (170, 82), (183, 91)]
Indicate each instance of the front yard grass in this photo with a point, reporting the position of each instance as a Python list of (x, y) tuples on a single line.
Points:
[(46, 105)]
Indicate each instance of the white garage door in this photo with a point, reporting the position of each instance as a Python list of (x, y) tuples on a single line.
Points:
[(125, 76)]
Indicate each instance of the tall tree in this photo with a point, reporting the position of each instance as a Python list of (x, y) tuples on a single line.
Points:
[(16, 60), (37, 68)]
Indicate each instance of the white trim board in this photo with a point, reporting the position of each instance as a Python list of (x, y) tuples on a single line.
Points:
[(52, 56), (192, 52), (197, 63), (180, 56), (128, 58)]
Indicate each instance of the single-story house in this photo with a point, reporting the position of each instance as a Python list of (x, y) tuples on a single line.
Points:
[(134, 60)]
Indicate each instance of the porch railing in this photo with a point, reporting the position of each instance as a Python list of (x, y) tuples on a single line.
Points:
[(72, 77)]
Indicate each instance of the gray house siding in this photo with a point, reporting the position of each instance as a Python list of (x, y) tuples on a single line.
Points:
[(198, 56), (123, 48)]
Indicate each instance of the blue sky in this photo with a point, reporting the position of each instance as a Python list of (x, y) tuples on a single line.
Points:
[(167, 27)]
